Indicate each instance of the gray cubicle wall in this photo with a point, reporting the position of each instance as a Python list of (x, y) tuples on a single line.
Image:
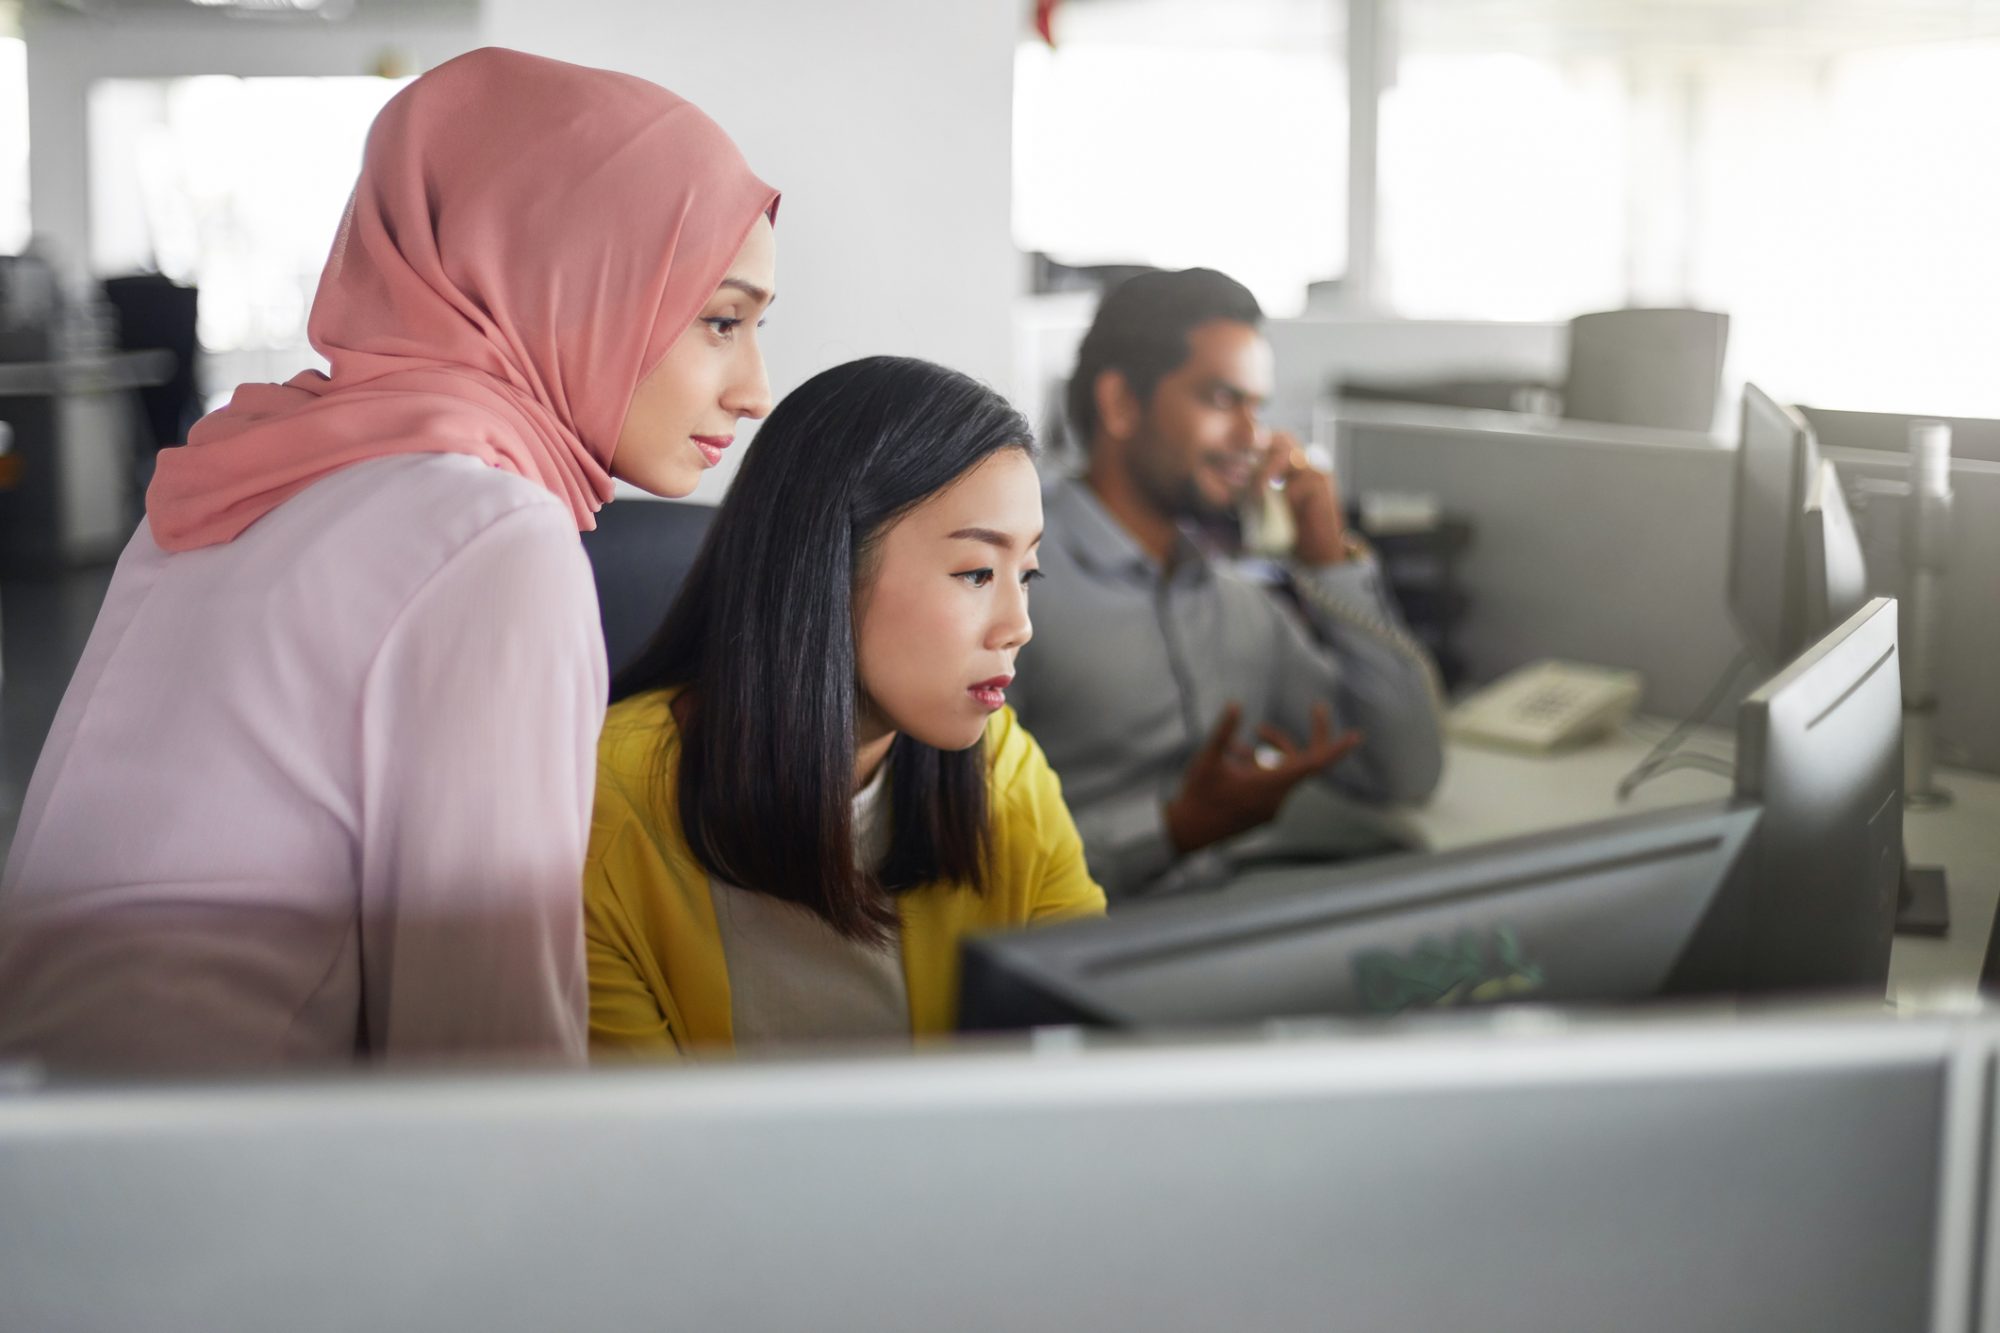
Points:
[(1652, 1176), (1611, 545), (1309, 353), (1889, 432), (1594, 543), (1969, 664)]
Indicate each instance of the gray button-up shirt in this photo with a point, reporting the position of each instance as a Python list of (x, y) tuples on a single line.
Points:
[(1128, 671)]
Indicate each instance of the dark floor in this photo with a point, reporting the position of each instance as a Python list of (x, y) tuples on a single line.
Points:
[(44, 622)]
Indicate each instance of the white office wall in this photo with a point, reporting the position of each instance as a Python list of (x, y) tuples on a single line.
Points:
[(13, 141), (67, 52), (888, 128)]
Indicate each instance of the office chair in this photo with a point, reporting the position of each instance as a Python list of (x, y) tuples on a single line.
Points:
[(157, 312), (1658, 368), (639, 555)]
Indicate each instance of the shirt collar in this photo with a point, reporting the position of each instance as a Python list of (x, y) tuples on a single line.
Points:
[(1100, 542)]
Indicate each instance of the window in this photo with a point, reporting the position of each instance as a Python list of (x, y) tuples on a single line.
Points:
[(13, 145), (1503, 187), (1814, 171), (235, 185), (1172, 133), (1847, 219)]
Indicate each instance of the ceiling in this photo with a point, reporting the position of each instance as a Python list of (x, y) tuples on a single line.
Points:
[(1630, 27), (1651, 26), (284, 9), (1635, 27)]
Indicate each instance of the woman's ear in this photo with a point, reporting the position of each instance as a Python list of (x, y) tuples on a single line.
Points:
[(1118, 408)]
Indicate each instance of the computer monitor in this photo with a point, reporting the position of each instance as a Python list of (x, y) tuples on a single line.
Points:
[(1820, 748), (1815, 1172), (1623, 909), (1790, 887), (1836, 578), (1795, 565)]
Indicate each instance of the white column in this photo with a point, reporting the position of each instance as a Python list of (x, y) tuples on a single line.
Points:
[(1371, 60)]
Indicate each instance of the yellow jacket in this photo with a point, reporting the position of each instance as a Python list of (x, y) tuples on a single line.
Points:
[(658, 979)]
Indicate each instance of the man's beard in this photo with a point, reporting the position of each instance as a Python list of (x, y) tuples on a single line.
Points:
[(1178, 496)]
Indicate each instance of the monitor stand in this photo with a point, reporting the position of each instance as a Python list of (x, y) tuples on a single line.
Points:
[(1922, 906), (1989, 973)]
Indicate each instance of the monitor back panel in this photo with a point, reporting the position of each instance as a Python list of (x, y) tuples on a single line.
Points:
[(1766, 579), (1836, 575), (1604, 913), (1641, 1182), (1820, 747)]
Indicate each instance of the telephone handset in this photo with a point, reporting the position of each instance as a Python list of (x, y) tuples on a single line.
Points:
[(1266, 520), (1265, 515)]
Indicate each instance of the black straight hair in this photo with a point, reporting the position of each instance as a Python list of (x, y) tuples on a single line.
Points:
[(762, 636), (1141, 331)]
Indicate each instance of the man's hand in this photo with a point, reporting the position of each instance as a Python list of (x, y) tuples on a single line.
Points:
[(1312, 498), (1229, 790)]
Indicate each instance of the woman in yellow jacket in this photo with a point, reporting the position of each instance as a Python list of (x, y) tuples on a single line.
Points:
[(810, 787)]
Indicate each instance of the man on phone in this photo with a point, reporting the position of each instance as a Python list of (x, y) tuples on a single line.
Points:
[(1180, 702)]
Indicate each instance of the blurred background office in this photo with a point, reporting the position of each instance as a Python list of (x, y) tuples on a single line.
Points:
[(1522, 258), (1422, 193)]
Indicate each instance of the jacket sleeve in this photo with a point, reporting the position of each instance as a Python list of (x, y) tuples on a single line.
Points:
[(1377, 678), (627, 1017), (479, 729)]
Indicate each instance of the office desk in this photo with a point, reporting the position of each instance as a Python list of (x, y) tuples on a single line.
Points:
[(1488, 794)]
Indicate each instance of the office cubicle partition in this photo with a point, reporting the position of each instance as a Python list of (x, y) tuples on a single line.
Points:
[(1611, 545), (1513, 1174), (1889, 432), (1968, 653), (1606, 544)]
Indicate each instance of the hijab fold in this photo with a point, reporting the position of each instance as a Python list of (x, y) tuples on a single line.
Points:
[(526, 240)]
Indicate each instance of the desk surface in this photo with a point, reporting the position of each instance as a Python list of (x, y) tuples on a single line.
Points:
[(1489, 794), (105, 372)]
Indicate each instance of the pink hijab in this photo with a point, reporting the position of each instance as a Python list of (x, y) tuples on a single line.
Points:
[(525, 242)]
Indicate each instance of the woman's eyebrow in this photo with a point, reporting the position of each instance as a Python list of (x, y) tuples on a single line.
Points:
[(751, 290), (992, 537)]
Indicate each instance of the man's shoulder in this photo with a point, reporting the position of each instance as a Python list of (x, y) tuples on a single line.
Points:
[(1060, 505)]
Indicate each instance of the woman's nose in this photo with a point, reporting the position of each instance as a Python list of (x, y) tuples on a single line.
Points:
[(750, 393)]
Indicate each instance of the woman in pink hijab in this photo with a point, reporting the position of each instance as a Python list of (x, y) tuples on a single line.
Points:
[(321, 785)]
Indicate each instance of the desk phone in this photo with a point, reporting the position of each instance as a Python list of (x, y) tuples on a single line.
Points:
[(1548, 706)]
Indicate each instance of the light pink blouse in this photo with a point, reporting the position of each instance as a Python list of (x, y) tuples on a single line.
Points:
[(319, 791)]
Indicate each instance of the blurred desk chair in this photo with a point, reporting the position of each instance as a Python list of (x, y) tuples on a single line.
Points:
[(1658, 368), (639, 555), (156, 312)]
